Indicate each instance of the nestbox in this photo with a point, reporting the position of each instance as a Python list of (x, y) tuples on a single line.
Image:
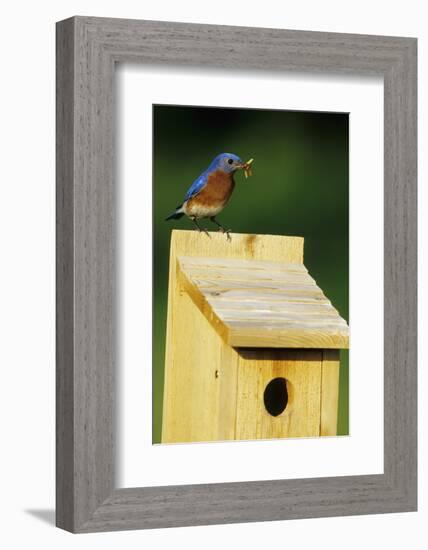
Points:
[(253, 344)]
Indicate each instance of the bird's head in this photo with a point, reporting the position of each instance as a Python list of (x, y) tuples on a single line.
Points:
[(227, 162)]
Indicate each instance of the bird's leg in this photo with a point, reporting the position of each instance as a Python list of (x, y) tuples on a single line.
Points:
[(222, 228), (199, 227)]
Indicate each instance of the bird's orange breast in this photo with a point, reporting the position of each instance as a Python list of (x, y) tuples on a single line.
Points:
[(214, 196)]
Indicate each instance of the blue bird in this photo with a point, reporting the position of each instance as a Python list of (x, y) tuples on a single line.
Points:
[(211, 191)]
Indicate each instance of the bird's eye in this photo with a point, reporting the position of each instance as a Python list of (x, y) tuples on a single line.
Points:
[(230, 161)]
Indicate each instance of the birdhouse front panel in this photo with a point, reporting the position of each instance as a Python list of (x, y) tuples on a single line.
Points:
[(279, 393), (252, 342)]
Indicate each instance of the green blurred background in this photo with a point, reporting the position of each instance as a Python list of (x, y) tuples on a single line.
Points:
[(299, 187)]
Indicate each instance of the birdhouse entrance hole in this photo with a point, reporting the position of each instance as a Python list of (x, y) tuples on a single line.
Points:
[(276, 396)]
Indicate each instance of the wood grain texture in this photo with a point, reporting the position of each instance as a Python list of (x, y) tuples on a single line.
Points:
[(199, 403), (85, 248), (87, 49), (228, 375), (274, 286), (192, 377), (214, 391), (65, 288), (329, 391), (302, 372)]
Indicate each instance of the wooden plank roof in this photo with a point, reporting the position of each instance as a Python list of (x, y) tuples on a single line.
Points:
[(254, 303)]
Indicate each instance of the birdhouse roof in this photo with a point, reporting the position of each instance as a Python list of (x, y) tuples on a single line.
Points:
[(254, 303)]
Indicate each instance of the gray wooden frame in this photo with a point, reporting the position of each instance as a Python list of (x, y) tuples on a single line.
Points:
[(87, 50)]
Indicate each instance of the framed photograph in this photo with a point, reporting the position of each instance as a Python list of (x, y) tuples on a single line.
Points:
[(236, 274)]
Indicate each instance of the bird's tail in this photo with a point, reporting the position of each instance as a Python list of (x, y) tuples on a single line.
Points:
[(177, 214)]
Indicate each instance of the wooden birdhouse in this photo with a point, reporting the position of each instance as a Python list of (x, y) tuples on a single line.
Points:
[(252, 347)]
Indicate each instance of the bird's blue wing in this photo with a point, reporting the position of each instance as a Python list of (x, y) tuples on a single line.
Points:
[(196, 186)]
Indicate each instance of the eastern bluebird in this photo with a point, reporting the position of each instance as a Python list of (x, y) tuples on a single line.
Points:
[(210, 192)]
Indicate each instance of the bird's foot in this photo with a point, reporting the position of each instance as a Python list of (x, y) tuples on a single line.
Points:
[(226, 232), (199, 228), (203, 230)]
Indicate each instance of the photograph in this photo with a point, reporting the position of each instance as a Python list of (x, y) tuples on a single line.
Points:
[(251, 274)]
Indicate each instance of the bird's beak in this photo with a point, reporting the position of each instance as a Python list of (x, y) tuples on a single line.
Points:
[(246, 166)]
